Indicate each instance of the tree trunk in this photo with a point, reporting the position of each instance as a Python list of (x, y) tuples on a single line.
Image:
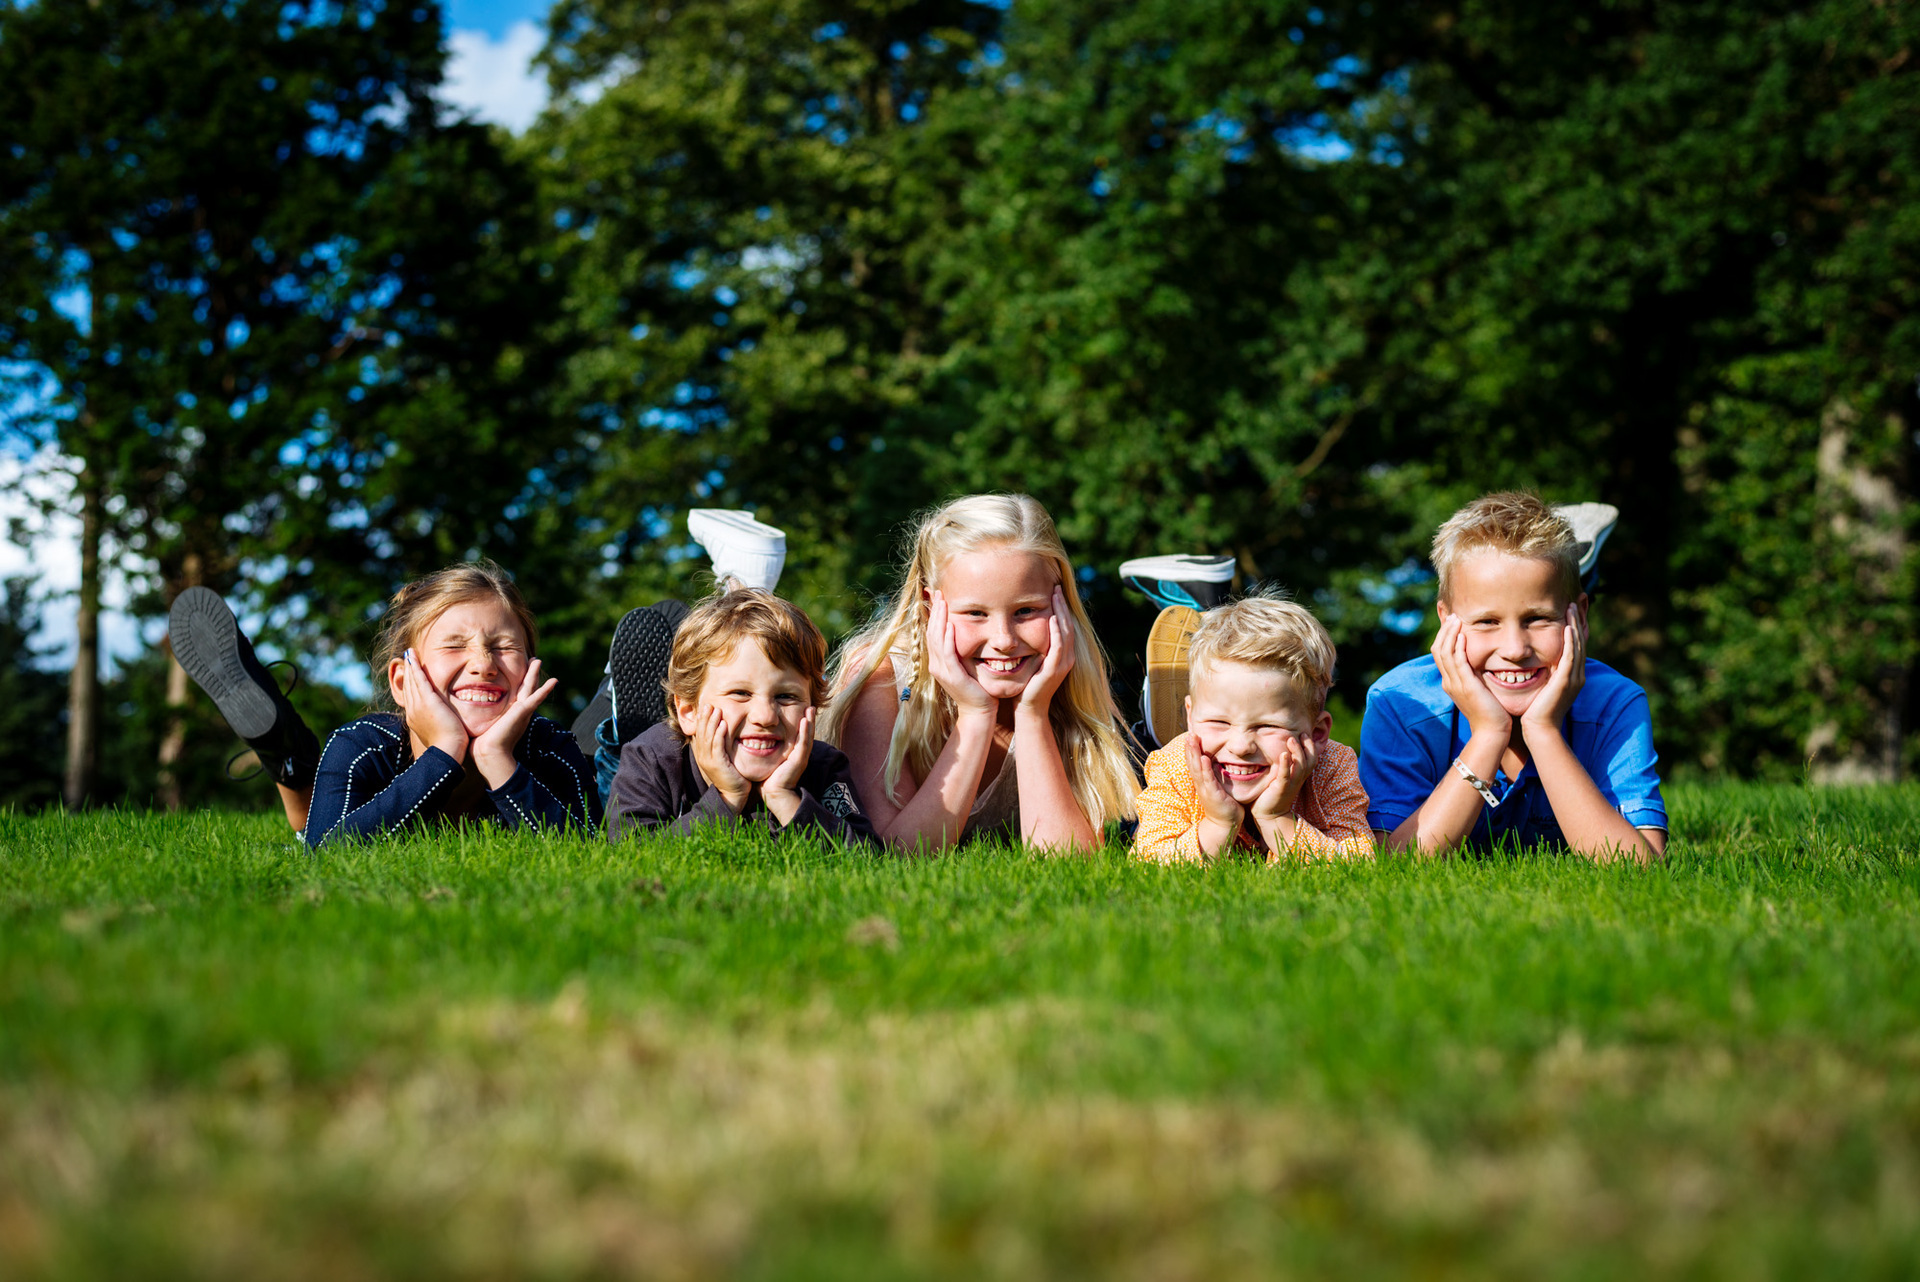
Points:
[(83, 688), (174, 742)]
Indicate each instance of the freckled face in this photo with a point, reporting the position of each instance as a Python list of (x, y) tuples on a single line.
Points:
[(1000, 601), (1513, 610), (475, 653), (1244, 718), (761, 702)]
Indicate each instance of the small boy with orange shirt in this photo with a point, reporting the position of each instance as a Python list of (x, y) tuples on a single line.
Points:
[(1255, 770)]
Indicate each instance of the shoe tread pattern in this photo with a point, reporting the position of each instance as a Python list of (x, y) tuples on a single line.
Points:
[(207, 642), (637, 664), (1167, 646)]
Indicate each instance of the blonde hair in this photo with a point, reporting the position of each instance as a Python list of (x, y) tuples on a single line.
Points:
[(1265, 630), (713, 629), (415, 606), (1514, 522), (1085, 720)]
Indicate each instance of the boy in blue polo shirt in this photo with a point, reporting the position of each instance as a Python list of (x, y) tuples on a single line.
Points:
[(1507, 731)]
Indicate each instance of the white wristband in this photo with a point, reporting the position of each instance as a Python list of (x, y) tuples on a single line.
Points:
[(1479, 784)]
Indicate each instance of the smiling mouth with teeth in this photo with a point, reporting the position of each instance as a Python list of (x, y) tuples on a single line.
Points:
[(1002, 666), (1514, 677), (761, 744), (1241, 770), (478, 694)]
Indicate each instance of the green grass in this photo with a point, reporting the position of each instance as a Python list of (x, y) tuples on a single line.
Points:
[(471, 1055)]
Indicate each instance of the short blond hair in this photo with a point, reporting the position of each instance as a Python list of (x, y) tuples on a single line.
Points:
[(714, 628), (1515, 523), (1265, 630)]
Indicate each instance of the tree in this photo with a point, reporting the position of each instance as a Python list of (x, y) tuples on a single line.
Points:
[(289, 314)]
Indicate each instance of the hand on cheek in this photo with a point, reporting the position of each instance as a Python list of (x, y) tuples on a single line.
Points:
[(712, 746), (782, 791)]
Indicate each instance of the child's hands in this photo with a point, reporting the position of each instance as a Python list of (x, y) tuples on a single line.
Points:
[(944, 665), (493, 747), (1465, 687), (713, 753), (430, 715), (1550, 707), (1273, 808), (1221, 814), (781, 791), (1037, 698)]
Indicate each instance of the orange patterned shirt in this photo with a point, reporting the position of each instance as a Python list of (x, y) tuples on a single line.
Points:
[(1330, 815)]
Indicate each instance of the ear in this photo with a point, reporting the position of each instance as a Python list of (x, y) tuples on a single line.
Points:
[(1442, 609), (397, 679), (687, 716), (1583, 603), (1322, 727)]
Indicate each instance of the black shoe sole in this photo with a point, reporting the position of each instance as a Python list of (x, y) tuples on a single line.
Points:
[(207, 642), (637, 664)]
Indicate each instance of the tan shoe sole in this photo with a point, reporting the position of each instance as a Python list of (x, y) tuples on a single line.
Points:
[(1167, 646)]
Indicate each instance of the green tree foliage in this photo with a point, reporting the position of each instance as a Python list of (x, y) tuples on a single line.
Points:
[(1293, 280), (289, 317), (32, 734)]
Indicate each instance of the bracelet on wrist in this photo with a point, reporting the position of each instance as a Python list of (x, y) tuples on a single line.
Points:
[(1479, 785)]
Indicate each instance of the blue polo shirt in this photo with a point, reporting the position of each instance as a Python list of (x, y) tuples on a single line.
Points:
[(1412, 733)]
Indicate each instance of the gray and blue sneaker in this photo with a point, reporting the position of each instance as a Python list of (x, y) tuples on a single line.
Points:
[(1592, 523), (1196, 582)]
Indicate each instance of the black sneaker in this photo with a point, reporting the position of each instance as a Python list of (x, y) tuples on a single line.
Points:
[(637, 666), (1196, 582), (209, 644), (586, 726)]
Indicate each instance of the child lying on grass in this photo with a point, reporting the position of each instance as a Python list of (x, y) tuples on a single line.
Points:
[(1508, 731), (455, 655), (747, 672), (1255, 769)]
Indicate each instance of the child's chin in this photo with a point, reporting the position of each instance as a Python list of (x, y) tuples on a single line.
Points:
[(755, 769), (1247, 793)]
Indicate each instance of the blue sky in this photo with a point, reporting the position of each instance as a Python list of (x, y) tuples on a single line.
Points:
[(495, 17)]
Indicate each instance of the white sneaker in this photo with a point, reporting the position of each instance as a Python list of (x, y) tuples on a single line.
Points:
[(742, 549), (1197, 582), (1592, 523)]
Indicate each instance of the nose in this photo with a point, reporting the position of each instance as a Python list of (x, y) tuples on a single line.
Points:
[(1514, 645), (480, 657), (1000, 633), (763, 712)]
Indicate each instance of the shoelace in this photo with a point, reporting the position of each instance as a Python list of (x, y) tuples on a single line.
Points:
[(259, 766)]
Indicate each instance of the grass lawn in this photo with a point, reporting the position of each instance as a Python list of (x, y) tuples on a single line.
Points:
[(474, 1056)]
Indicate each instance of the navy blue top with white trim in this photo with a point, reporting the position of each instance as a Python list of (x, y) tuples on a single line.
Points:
[(369, 782)]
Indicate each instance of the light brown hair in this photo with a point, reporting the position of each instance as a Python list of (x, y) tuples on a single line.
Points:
[(1265, 630), (415, 606), (1514, 522), (714, 628)]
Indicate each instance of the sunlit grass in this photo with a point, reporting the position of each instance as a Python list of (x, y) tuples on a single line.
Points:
[(471, 1055)]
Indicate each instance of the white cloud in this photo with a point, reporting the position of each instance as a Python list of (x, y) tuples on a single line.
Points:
[(492, 79)]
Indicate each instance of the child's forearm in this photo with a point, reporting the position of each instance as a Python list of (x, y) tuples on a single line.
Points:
[(936, 814), (1589, 824), (1050, 815), (1453, 807)]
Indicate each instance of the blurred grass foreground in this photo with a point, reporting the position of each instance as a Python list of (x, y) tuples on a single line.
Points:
[(472, 1056)]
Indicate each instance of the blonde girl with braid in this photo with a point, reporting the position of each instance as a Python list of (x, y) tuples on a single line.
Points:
[(978, 704)]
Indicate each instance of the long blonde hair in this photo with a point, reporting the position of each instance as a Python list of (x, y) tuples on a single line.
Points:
[(1085, 720)]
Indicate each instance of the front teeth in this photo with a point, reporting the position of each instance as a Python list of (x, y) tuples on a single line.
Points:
[(477, 696), (1518, 677), (1003, 665)]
